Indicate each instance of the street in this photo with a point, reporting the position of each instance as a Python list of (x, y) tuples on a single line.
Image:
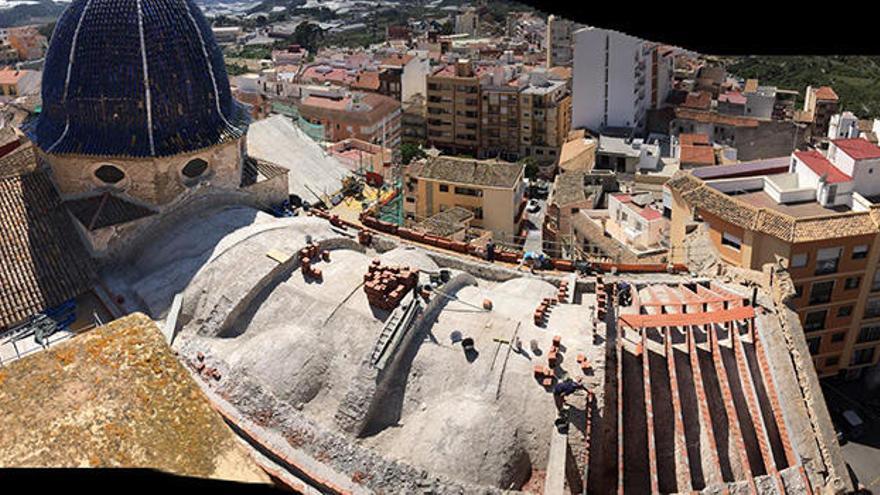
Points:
[(862, 454), (535, 226)]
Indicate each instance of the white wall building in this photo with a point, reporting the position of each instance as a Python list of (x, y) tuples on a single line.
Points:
[(468, 22), (413, 80), (843, 125), (612, 80)]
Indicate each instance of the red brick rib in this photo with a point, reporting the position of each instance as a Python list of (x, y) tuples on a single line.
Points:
[(732, 416), (681, 320), (712, 475), (649, 415), (683, 474)]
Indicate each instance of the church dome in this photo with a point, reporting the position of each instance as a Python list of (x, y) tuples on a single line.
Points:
[(134, 78)]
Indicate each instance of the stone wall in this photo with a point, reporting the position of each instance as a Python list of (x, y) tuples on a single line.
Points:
[(155, 181)]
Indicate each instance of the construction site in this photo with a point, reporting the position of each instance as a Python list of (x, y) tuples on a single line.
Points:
[(357, 362)]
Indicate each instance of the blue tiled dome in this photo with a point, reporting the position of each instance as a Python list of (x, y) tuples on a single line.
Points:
[(134, 78)]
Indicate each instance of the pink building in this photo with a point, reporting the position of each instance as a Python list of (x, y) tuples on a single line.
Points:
[(633, 221)]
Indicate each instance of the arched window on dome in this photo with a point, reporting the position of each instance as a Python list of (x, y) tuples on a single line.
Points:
[(109, 174), (194, 170)]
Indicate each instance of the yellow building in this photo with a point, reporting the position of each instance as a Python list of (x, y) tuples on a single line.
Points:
[(492, 190), (453, 116), (831, 254), (545, 118)]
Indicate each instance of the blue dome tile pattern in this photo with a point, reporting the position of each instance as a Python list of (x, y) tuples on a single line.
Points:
[(136, 78)]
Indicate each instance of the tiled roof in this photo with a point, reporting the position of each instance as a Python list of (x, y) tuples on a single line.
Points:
[(691, 139), (569, 188), (368, 80), (650, 214), (701, 100), (825, 93), (397, 59), (697, 155), (857, 148), (821, 166), (488, 173), (733, 97), (771, 222), (20, 161), (446, 223), (714, 118), (42, 259), (105, 210)]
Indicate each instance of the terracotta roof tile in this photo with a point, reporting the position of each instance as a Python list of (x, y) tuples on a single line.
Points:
[(714, 118), (825, 93), (857, 148), (821, 166), (42, 259)]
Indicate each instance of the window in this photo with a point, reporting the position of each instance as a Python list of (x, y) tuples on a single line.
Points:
[(851, 283), (798, 290), (860, 252), (814, 344), (869, 334), (731, 241), (194, 168), (444, 188), (820, 292), (109, 174), (467, 191), (875, 284), (832, 361), (799, 260), (826, 260), (862, 356), (838, 337), (872, 308), (815, 320), (844, 311)]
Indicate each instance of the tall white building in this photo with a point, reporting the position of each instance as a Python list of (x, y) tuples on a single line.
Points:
[(843, 125), (616, 79)]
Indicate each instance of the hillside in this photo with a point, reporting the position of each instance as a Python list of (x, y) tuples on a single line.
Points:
[(855, 79)]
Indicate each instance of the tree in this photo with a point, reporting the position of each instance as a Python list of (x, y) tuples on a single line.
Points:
[(531, 167), (307, 35), (410, 152)]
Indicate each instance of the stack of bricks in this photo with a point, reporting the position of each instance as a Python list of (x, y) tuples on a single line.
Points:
[(386, 285), (562, 293), (544, 375), (310, 255), (543, 310), (601, 299), (584, 363), (365, 237), (553, 355)]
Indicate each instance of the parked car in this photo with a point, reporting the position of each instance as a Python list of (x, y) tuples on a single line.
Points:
[(853, 425), (533, 206)]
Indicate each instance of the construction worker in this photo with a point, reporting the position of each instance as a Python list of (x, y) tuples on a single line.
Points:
[(490, 251), (565, 388)]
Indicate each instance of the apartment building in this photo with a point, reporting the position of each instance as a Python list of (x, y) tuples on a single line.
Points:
[(617, 78), (820, 219), (820, 104), (559, 41), (545, 118), (454, 108), (413, 121), (500, 116), (494, 191), (370, 117)]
